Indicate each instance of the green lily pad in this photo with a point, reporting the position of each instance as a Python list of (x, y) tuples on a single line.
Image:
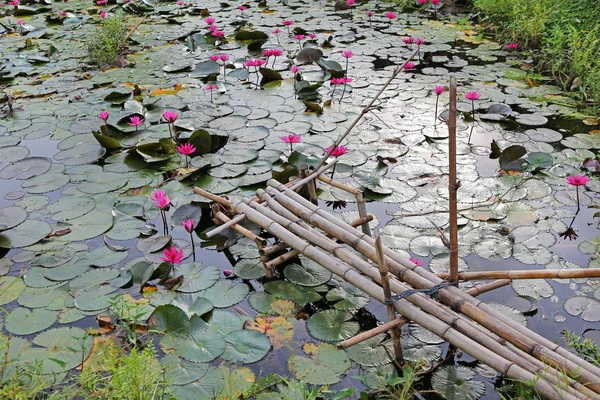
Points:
[(197, 277), (10, 288), (22, 321), (587, 307), (63, 349), (308, 274), (223, 295), (246, 346), (370, 353), (88, 226), (347, 297), (29, 232), (202, 345), (325, 365), (534, 288), (11, 217), (206, 388), (71, 207), (455, 383), (169, 319), (182, 372), (249, 268), (332, 325), (290, 291), (26, 168)]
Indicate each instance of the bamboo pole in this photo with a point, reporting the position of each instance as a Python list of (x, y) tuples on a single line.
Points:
[(339, 185), (311, 187), (273, 249), (223, 227), (387, 292), (398, 322), (429, 322), (318, 171), (245, 232), (365, 110), (519, 336), (453, 185), (362, 212), (529, 274)]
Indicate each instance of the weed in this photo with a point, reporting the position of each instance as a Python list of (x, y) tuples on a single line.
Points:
[(586, 348), (106, 43)]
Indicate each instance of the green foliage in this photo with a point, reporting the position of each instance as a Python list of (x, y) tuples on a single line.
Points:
[(586, 348), (107, 42), (567, 33)]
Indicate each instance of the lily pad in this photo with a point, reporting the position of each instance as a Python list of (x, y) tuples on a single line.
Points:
[(11, 217), (456, 383), (332, 325), (10, 288), (26, 168), (29, 232), (324, 365), (587, 307), (222, 294), (22, 321), (370, 353), (197, 277), (308, 274), (246, 346)]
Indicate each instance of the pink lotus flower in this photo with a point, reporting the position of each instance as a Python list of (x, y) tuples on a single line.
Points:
[(419, 41), (312, 35), (160, 199), (276, 31), (267, 52), (223, 57), (336, 81), (472, 95), (347, 54), (291, 139), (294, 69), (209, 20), (227, 272), (436, 2), (345, 79), (242, 7), (421, 2), (350, 2), (287, 22), (214, 58), (254, 63), (172, 255), (13, 3), (103, 115), (135, 121), (103, 14), (170, 116), (276, 52), (418, 262), (438, 91), (179, 3), (186, 149), (390, 15), (218, 33), (408, 66), (577, 180), (188, 224), (408, 40), (370, 13), (512, 46), (337, 151), (213, 28), (298, 37), (210, 87)]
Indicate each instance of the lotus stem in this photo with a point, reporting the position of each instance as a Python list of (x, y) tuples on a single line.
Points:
[(577, 191), (341, 98), (437, 100), (193, 246)]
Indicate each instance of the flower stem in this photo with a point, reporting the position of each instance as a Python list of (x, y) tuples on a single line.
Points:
[(436, 109), (333, 171), (577, 191), (193, 246), (291, 148), (343, 92), (274, 59)]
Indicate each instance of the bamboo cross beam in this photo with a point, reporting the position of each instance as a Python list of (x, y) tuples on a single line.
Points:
[(453, 336), (420, 278), (223, 227), (529, 274), (245, 232)]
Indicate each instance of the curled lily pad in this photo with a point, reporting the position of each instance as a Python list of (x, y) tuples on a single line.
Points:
[(332, 325), (534, 288)]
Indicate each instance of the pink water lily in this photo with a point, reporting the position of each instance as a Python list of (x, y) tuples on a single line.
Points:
[(421, 2), (345, 79), (210, 88), (312, 35), (390, 15), (577, 180), (103, 14), (170, 116), (276, 31), (103, 115), (242, 7), (186, 149), (188, 225), (337, 151), (267, 52), (472, 96), (214, 58), (512, 46), (254, 62), (347, 54), (13, 3), (336, 81), (180, 3), (416, 261), (350, 2), (172, 255), (101, 2), (223, 57), (291, 139), (419, 41), (227, 272), (213, 28), (160, 199), (209, 20), (294, 69), (218, 33), (436, 2), (408, 66), (408, 40), (135, 121), (438, 91), (287, 23)]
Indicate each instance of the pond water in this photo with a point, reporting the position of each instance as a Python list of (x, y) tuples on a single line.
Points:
[(224, 332)]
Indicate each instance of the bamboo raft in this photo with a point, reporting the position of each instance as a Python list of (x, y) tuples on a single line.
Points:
[(410, 293)]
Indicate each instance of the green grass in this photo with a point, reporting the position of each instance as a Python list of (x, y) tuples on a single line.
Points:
[(107, 42), (565, 34)]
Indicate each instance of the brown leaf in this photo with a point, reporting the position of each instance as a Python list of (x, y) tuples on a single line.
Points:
[(173, 283)]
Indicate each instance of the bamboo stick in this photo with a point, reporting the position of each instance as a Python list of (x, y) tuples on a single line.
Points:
[(362, 212), (245, 232), (519, 337), (265, 260), (322, 168), (310, 185), (443, 330), (394, 324), (453, 184), (339, 185), (222, 227), (365, 110), (486, 287), (387, 292), (529, 274), (273, 249)]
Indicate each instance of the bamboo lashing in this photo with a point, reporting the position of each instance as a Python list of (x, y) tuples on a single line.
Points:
[(420, 278), (452, 184), (443, 330)]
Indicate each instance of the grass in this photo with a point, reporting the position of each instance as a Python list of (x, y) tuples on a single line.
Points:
[(107, 42), (564, 34)]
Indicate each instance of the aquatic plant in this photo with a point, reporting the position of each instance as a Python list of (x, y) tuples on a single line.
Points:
[(107, 42), (577, 180), (438, 90), (472, 96)]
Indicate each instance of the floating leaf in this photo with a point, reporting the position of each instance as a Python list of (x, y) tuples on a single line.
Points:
[(222, 294), (249, 268), (323, 367), (197, 277), (29, 232), (587, 307), (278, 329), (105, 257), (290, 291), (308, 274), (10, 288), (11, 217), (203, 345), (534, 288), (246, 346), (26, 168), (169, 319), (180, 372), (88, 226), (370, 353), (347, 297), (22, 321), (455, 383), (332, 325)]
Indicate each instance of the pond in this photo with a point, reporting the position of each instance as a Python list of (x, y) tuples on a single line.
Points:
[(84, 224)]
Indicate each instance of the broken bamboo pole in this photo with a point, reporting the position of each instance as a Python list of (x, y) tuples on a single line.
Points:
[(273, 249), (389, 305), (243, 231), (529, 274), (418, 277), (452, 184), (484, 337), (445, 331), (236, 220)]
